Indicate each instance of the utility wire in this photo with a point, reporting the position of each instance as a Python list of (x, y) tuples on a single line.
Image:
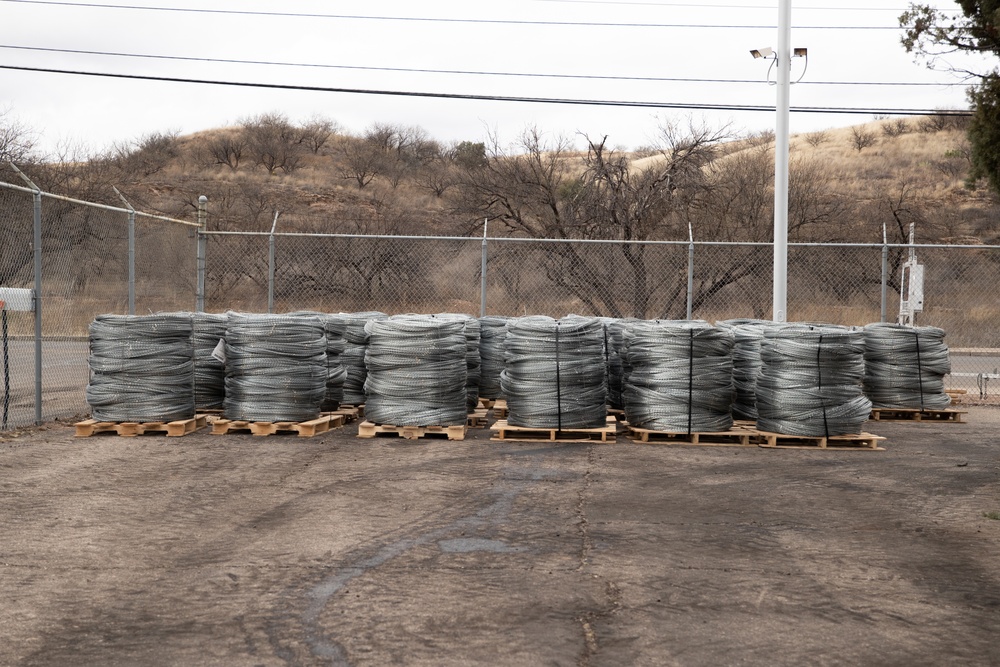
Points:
[(709, 6), (368, 68), (429, 19), (500, 98)]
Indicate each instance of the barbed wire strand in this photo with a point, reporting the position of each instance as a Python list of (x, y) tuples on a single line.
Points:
[(209, 372)]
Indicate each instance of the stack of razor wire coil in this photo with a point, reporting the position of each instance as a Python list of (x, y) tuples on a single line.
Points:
[(209, 371), (555, 373), (614, 340), (681, 377), (810, 381), (142, 368), (333, 329), (747, 337), (905, 366), (276, 367), (353, 356), (417, 369), (473, 359), (492, 332)]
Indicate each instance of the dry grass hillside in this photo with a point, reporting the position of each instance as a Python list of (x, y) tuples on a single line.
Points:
[(396, 179)]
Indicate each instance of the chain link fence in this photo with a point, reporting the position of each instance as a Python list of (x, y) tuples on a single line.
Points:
[(99, 259), (94, 259)]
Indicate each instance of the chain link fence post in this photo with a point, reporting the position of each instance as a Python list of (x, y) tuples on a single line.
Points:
[(690, 285), (482, 271), (202, 241), (885, 274)]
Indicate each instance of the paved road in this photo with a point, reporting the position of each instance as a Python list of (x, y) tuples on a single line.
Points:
[(235, 550)]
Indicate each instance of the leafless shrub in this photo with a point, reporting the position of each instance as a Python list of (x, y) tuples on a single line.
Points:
[(862, 138), (895, 127), (817, 138)]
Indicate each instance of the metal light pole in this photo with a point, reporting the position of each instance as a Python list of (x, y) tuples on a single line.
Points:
[(783, 56)]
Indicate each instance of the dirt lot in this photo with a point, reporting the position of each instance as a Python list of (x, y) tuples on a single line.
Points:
[(240, 550)]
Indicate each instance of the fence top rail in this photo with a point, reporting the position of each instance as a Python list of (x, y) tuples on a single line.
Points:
[(518, 239), (106, 207)]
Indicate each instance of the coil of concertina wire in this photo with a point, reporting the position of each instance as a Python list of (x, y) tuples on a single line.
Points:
[(473, 359), (141, 368), (747, 337), (810, 381), (209, 372), (417, 370), (275, 367), (905, 366), (614, 341), (353, 357), (333, 328), (681, 377), (492, 332), (554, 376)]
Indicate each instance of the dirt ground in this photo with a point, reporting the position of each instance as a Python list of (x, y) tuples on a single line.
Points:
[(242, 550)]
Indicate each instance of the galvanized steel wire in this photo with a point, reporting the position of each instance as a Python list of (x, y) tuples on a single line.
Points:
[(492, 332), (141, 368), (905, 366), (810, 382), (333, 329), (276, 367), (555, 373), (747, 337), (614, 342), (417, 370), (353, 357), (209, 371), (473, 359), (681, 376)]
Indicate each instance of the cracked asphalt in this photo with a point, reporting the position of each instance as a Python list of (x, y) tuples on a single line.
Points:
[(241, 550)]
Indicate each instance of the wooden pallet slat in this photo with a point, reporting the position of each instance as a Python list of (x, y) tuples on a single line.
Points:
[(736, 437), (486, 402), (478, 419), (173, 429), (500, 409), (856, 442), (367, 429), (917, 415), (504, 432), (349, 413), (306, 429)]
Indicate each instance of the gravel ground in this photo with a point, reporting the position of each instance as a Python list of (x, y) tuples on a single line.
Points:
[(241, 550)]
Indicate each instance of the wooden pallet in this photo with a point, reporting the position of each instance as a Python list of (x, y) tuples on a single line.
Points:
[(349, 413), (507, 433), (500, 408), (478, 419), (360, 407), (619, 415), (486, 402), (917, 415), (738, 436), (957, 395), (369, 430), (859, 441), (173, 429), (306, 429)]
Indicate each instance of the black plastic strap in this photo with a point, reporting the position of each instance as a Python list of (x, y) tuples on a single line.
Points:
[(558, 382), (819, 382), (690, 373), (920, 373)]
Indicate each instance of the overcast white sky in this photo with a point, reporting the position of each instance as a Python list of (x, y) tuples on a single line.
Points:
[(852, 41)]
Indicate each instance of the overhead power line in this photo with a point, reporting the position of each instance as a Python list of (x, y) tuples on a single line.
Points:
[(499, 98), (715, 6), (433, 19), (371, 68)]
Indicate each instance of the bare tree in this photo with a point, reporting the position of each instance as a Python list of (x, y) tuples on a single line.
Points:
[(272, 143), (862, 138), (895, 127), (362, 161), (227, 148), (17, 140), (316, 132), (818, 138)]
